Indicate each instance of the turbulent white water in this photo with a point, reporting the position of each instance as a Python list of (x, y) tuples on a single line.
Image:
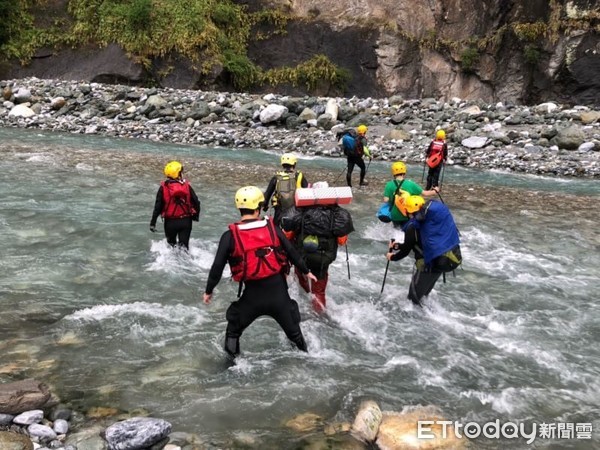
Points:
[(103, 310)]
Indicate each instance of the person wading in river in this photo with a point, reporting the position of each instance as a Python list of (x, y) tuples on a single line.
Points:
[(178, 205), (432, 235), (257, 252)]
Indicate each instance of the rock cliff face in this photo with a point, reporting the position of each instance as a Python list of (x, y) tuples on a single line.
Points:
[(496, 50)]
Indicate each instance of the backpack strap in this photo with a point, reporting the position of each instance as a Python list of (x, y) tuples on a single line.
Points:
[(238, 242), (398, 186)]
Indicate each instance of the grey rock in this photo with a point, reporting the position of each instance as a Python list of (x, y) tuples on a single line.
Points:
[(5, 419), (569, 138), (29, 417), (475, 142), (43, 432), (136, 433), (60, 426)]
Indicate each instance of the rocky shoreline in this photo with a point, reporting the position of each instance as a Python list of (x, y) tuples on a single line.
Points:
[(545, 139)]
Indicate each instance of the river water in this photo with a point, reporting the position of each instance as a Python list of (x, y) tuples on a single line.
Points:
[(103, 311)]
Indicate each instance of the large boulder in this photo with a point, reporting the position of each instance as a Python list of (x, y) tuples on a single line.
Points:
[(21, 396), (14, 441), (137, 433), (367, 420), (399, 431)]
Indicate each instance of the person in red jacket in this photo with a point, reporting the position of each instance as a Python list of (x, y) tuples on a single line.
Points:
[(257, 252), (178, 205), (436, 156)]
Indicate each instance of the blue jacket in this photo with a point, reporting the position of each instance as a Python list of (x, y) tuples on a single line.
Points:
[(437, 230)]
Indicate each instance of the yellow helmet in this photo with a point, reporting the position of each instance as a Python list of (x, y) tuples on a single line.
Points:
[(413, 203), (361, 129), (398, 168), (289, 158), (249, 197), (173, 169), (440, 135)]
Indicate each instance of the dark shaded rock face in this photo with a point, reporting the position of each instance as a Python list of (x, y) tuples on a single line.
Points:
[(351, 48), (390, 47), (581, 80), (105, 65)]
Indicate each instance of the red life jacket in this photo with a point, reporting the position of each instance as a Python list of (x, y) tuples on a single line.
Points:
[(177, 200), (436, 154), (257, 251)]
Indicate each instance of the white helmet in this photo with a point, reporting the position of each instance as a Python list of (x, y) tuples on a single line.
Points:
[(320, 184)]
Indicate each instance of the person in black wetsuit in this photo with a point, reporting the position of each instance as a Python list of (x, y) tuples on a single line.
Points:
[(178, 205), (432, 235), (257, 252), (354, 146)]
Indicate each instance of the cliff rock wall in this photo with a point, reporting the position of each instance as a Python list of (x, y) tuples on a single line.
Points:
[(470, 49)]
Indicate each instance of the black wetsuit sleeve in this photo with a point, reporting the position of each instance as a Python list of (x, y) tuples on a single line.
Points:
[(410, 240), (291, 251), (221, 258), (445, 151), (269, 192), (195, 204), (158, 206), (428, 152)]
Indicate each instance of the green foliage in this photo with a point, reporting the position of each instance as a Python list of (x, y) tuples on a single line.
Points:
[(9, 9), (243, 72), (468, 58), (225, 14), (532, 54), (139, 14), (530, 32), (152, 28), (273, 17), (310, 74)]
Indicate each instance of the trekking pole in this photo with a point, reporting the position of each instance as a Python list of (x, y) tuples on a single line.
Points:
[(442, 177), (441, 199), (347, 260), (386, 270), (341, 173), (423, 175)]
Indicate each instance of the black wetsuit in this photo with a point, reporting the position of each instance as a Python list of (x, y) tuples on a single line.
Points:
[(423, 281), (356, 158), (358, 161), (177, 231), (265, 297), (433, 174)]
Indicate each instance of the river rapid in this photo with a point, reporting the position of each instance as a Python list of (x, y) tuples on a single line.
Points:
[(107, 314)]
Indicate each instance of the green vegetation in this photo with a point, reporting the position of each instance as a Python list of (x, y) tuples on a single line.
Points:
[(8, 12), (468, 58), (217, 32), (532, 54), (530, 32), (309, 74), (207, 32)]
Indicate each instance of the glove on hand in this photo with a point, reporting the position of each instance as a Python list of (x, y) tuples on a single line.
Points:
[(153, 228)]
